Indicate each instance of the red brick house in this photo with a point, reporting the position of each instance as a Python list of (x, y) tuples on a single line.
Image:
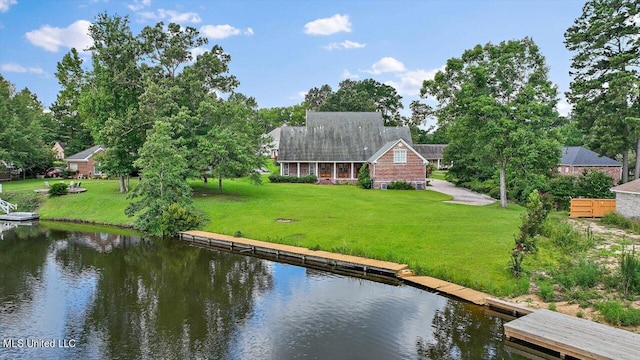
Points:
[(334, 146), (576, 160), (83, 164), (397, 161)]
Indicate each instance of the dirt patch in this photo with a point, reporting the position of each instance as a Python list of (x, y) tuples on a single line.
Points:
[(281, 220)]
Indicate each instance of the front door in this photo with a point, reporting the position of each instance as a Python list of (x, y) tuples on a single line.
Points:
[(325, 170)]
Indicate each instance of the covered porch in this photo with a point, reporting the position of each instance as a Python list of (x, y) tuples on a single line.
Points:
[(337, 172)]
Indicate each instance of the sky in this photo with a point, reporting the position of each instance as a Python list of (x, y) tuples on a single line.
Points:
[(281, 49)]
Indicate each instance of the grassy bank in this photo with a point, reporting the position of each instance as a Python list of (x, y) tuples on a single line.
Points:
[(464, 244)]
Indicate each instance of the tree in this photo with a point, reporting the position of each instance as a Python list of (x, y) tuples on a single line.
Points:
[(364, 95), (71, 128), (497, 104), (605, 40), (232, 147), (22, 144), (163, 193), (110, 102)]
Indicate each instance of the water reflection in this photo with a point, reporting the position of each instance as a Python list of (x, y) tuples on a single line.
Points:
[(130, 297)]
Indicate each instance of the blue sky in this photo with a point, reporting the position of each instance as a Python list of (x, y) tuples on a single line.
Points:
[(281, 49)]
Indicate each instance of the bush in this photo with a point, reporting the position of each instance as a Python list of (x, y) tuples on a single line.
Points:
[(364, 179), (617, 314), (177, 218), (309, 179), (621, 222), (563, 188), (546, 292), (595, 184), (630, 272), (400, 185), (58, 189)]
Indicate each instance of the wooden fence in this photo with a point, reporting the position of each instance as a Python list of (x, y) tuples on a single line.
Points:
[(591, 207)]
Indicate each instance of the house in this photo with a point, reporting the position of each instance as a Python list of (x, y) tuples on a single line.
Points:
[(83, 164), (271, 149), (576, 159), (628, 199), (335, 145), (434, 153), (58, 150)]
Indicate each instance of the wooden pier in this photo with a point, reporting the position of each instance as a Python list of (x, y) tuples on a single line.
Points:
[(448, 288), (304, 255), (571, 336)]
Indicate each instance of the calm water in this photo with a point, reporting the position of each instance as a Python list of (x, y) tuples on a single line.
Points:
[(103, 296)]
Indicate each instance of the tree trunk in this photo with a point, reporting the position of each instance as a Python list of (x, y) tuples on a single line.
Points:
[(220, 185), (123, 189), (503, 185), (625, 166), (128, 184), (205, 179), (636, 171)]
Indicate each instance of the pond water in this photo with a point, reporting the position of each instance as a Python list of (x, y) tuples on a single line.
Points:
[(94, 295)]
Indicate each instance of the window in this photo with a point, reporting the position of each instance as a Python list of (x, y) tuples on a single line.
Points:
[(399, 156), (73, 166), (343, 170), (312, 169), (96, 169), (285, 169)]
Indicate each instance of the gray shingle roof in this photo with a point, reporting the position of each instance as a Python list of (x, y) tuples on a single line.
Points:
[(632, 187), (338, 136), (84, 154), (579, 156), (431, 151)]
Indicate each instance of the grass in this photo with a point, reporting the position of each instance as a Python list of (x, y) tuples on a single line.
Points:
[(467, 245)]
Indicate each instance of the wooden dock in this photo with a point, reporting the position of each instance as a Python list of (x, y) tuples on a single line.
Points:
[(446, 287), (303, 254), (575, 337)]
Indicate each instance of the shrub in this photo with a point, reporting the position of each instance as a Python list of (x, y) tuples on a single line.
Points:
[(595, 184), (364, 178), (58, 189), (621, 222), (617, 314), (630, 272), (400, 185), (563, 188), (546, 292), (532, 220), (553, 307), (309, 179), (178, 218)]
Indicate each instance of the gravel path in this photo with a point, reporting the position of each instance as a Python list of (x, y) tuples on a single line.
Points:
[(460, 195)]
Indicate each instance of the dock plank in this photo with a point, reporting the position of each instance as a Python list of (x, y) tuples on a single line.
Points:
[(573, 336), (355, 260), (473, 296)]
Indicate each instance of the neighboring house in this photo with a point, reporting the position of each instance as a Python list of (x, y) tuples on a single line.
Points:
[(575, 160), (628, 199), (434, 153), (271, 149), (58, 150), (83, 164), (335, 145)]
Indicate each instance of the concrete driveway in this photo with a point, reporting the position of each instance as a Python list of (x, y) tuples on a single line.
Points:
[(460, 195)]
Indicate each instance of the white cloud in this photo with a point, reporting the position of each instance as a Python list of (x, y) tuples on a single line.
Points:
[(347, 44), (563, 107), (298, 96), (139, 5), (171, 15), (6, 4), (327, 26), (52, 38), (385, 65), (346, 74), (197, 51), (410, 82), (17, 68), (223, 31)]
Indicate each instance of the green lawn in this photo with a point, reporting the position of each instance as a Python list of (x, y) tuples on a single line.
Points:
[(465, 244)]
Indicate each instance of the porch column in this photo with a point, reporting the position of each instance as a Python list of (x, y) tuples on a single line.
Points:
[(334, 170), (298, 169), (317, 175), (352, 170)]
